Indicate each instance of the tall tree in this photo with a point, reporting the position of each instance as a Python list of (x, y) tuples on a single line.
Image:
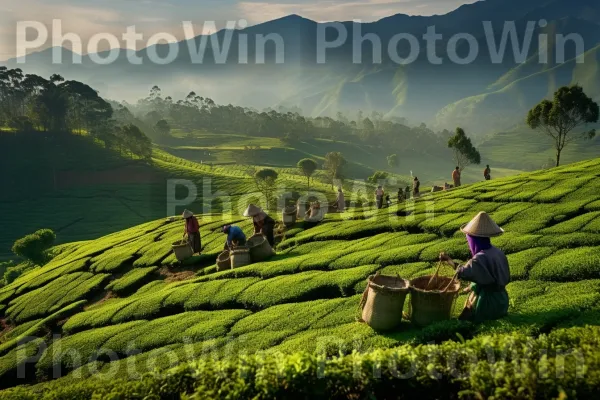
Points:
[(307, 167), (334, 162), (558, 119), (465, 153), (265, 180)]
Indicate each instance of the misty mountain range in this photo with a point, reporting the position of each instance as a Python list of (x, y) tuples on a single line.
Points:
[(485, 95)]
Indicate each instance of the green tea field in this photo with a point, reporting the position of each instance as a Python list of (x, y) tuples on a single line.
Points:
[(118, 317)]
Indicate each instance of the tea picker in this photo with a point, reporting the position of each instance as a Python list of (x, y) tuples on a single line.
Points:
[(488, 270)]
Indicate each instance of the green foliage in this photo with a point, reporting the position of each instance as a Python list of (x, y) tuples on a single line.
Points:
[(521, 262), (465, 153), (60, 292), (569, 265), (131, 280), (334, 164), (378, 177), (306, 297), (34, 246), (311, 376), (307, 167), (570, 108)]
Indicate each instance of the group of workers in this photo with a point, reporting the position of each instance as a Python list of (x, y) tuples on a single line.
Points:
[(403, 194), (487, 270), (263, 224)]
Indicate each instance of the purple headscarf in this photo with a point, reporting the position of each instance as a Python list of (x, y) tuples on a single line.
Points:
[(477, 244)]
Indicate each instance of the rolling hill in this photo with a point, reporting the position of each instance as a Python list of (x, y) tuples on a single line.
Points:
[(104, 312)]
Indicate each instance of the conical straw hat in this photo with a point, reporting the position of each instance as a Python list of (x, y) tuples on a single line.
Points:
[(187, 214), (252, 211), (483, 226)]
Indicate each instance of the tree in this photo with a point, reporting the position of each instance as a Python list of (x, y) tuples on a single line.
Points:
[(307, 166), (334, 162), (378, 177), (136, 142), (265, 182), (465, 153), (163, 128), (33, 247), (393, 161), (570, 109)]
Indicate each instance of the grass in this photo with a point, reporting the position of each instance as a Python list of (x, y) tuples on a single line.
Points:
[(120, 292)]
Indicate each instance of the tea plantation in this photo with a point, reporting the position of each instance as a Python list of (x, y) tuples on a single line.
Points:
[(118, 317)]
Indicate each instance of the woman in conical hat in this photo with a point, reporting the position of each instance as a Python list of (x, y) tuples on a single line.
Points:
[(487, 269), (263, 224), (192, 231)]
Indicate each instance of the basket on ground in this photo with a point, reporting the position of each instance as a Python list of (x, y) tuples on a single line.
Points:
[(240, 257), (182, 250), (260, 249), (434, 303), (289, 215), (223, 261), (383, 301)]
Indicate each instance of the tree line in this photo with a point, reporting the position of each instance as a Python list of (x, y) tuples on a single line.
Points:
[(31, 103), (195, 112)]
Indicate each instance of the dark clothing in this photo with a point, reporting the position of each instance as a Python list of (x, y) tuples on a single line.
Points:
[(416, 186), (489, 272), (236, 234), (379, 201), (195, 241), (191, 225), (265, 224), (487, 174), (240, 242)]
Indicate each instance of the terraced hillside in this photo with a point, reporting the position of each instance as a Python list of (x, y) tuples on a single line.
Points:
[(83, 191), (111, 308)]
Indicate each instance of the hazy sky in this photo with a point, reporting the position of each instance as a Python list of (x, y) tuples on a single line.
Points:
[(90, 17)]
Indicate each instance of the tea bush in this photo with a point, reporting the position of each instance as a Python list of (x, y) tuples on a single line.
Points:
[(569, 265)]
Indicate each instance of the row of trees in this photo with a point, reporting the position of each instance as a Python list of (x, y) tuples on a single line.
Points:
[(30, 102), (197, 112)]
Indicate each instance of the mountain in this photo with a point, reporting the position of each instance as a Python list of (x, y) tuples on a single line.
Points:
[(442, 94)]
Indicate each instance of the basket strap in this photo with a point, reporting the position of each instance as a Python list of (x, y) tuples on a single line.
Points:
[(363, 299), (434, 276), (451, 282)]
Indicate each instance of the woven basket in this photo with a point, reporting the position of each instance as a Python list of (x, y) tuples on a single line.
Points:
[(260, 249), (223, 261), (289, 215), (240, 257), (434, 304), (182, 250), (383, 301)]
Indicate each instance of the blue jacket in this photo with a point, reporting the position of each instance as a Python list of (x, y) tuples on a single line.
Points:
[(235, 233)]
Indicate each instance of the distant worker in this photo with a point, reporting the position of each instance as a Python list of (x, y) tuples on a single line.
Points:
[(416, 187), (192, 231), (235, 236), (388, 202), (488, 270), (341, 201), (487, 173), (379, 196), (400, 195), (456, 177), (407, 193), (263, 224)]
